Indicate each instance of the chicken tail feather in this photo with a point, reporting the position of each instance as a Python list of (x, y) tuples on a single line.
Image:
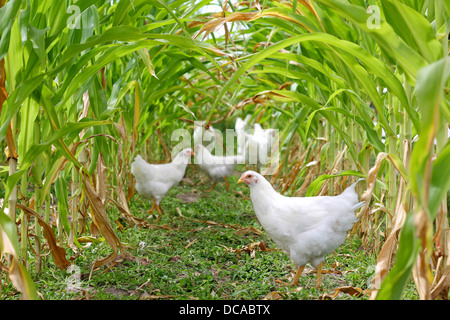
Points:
[(351, 188), (358, 205), (351, 195), (136, 165)]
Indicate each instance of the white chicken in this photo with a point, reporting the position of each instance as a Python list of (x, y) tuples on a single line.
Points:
[(239, 127), (155, 180), (216, 167), (306, 228), (204, 134), (258, 146)]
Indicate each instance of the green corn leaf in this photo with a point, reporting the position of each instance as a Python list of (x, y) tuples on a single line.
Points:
[(431, 81), (371, 63), (414, 29), (384, 35), (61, 189), (8, 13), (440, 182), (315, 186)]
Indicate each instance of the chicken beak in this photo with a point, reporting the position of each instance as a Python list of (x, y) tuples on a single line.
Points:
[(240, 180)]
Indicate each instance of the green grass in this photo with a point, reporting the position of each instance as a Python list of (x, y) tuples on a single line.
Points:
[(190, 259)]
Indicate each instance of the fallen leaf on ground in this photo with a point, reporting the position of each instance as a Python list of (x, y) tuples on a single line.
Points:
[(250, 248), (175, 258), (187, 181), (191, 243), (225, 225), (247, 230), (146, 296), (188, 197), (274, 295), (353, 291)]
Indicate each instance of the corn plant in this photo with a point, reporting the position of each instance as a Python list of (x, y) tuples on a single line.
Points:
[(357, 88)]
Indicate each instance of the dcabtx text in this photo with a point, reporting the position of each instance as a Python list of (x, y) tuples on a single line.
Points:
[(231, 309)]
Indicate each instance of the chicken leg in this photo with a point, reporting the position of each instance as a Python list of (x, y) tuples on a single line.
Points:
[(214, 184), (299, 272), (295, 280), (319, 275), (297, 276), (153, 207), (226, 182)]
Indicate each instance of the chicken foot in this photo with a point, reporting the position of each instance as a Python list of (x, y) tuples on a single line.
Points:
[(319, 275), (299, 272), (160, 212), (297, 276), (158, 208), (226, 182)]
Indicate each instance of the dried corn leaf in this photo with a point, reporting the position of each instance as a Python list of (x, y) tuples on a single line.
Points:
[(21, 279), (442, 285), (308, 4), (371, 179), (101, 221), (387, 250), (372, 175), (215, 24), (17, 273), (58, 253)]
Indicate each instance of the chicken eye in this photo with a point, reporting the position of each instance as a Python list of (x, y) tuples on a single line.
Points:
[(249, 176)]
